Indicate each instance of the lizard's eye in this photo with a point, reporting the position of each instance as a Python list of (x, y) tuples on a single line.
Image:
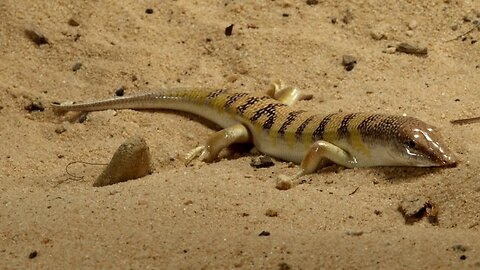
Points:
[(411, 144)]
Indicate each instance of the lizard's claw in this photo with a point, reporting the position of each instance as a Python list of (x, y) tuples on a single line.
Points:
[(201, 152)]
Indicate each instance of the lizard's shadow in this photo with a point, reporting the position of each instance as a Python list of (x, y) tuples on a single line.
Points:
[(405, 174)]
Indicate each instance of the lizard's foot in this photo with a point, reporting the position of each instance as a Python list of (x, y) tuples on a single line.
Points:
[(208, 152), (201, 153), (286, 94)]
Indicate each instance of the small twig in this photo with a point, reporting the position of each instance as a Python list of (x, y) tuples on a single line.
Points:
[(74, 177), (476, 24), (465, 121), (355, 191)]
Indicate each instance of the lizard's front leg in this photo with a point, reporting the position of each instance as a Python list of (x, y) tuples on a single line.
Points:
[(319, 154), (218, 141)]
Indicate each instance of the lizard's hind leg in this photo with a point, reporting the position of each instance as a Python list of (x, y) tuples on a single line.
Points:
[(208, 152), (286, 94)]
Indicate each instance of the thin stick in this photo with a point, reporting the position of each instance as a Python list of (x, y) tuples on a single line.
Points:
[(465, 121)]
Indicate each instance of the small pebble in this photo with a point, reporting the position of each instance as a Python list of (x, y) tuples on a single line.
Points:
[(261, 162), (33, 254), (264, 233), (412, 24), (284, 266), (120, 91), (229, 30), (377, 35), (83, 117), (348, 17), (35, 106), (149, 10), (132, 160), (271, 213), (37, 37), (459, 248), (411, 49), (284, 184), (60, 129), (390, 50), (349, 62), (73, 22), (312, 2), (414, 208), (76, 66)]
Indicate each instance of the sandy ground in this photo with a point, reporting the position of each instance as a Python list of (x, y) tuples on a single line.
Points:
[(212, 216)]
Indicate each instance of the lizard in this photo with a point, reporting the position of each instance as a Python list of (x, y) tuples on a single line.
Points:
[(303, 137)]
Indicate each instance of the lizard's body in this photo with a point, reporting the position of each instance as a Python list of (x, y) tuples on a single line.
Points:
[(349, 139)]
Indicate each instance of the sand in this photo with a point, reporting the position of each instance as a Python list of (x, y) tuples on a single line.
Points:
[(228, 214)]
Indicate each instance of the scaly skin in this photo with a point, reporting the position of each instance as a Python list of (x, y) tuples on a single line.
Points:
[(349, 139)]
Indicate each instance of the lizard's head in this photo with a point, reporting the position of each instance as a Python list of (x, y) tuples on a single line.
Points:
[(421, 145)]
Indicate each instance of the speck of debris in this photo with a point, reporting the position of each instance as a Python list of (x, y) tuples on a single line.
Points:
[(312, 2), (261, 162), (284, 266), (229, 30), (414, 209), (134, 78), (284, 184), (285, 14), (76, 66), (208, 39), (37, 37), (411, 49), (264, 233), (348, 17), (463, 257), (459, 248), (333, 20), (188, 202), (132, 160), (457, 99), (149, 10), (377, 212), (271, 213), (120, 91), (73, 22), (349, 62), (35, 106), (33, 254)]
